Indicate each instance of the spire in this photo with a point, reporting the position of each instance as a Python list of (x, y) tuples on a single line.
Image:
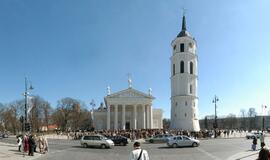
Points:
[(184, 32), (184, 28)]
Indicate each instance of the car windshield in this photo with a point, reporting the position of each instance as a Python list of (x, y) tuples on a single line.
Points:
[(105, 138)]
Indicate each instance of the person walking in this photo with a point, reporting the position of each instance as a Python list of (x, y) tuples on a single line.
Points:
[(138, 153), (31, 142), (25, 143), (19, 143), (40, 144), (45, 143), (254, 143), (262, 140)]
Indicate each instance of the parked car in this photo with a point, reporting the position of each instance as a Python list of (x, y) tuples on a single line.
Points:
[(251, 135), (181, 141), (96, 141), (119, 140), (4, 135), (161, 138)]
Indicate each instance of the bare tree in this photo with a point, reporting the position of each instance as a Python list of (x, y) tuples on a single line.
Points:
[(243, 116), (71, 114), (39, 114), (166, 123), (252, 114), (10, 116), (231, 121)]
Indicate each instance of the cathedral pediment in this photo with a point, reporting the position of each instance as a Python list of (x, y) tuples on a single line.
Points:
[(129, 93)]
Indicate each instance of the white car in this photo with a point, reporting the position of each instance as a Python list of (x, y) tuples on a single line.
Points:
[(181, 141), (96, 141), (253, 135)]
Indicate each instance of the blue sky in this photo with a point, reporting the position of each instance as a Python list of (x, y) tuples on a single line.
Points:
[(76, 49)]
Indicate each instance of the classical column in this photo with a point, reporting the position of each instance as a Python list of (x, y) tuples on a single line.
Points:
[(123, 117), (151, 116), (148, 116), (115, 116), (143, 116), (108, 117), (134, 117)]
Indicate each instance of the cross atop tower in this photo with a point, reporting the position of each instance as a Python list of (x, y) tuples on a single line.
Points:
[(129, 80), (184, 11)]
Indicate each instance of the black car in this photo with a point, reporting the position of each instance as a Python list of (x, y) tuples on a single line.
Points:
[(119, 140), (4, 135)]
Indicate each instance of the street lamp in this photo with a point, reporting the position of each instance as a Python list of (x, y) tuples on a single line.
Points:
[(26, 94), (215, 100), (263, 116)]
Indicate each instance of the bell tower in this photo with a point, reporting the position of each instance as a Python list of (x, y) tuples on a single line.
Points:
[(184, 81)]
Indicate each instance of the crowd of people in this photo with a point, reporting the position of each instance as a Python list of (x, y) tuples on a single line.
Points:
[(147, 133), (30, 143)]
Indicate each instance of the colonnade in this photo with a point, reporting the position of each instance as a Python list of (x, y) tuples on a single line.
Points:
[(141, 116)]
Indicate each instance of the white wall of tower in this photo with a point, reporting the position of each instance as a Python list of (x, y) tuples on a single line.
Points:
[(184, 100)]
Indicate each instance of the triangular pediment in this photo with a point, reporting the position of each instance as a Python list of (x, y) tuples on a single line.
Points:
[(130, 93)]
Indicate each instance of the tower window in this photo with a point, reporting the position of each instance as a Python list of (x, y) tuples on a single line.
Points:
[(190, 89), (182, 69), (185, 114), (191, 67), (173, 69), (175, 103), (182, 47), (186, 103), (174, 47)]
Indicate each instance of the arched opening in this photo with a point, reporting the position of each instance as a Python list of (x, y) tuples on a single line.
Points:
[(182, 65), (182, 47), (173, 69), (191, 67)]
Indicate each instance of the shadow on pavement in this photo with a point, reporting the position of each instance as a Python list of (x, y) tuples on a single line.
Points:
[(13, 150), (8, 145), (89, 147), (174, 148), (77, 147), (247, 156)]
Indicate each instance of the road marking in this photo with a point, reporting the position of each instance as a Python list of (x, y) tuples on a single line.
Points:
[(244, 155), (208, 154)]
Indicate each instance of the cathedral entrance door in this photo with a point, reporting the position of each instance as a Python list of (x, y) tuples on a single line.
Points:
[(127, 125)]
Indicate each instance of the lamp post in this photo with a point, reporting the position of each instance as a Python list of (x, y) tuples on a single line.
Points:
[(263, 116), (215, 100), (26, 94)]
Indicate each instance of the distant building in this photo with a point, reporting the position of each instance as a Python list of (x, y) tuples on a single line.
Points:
[(128, 109), (50, 127), (245, 123)]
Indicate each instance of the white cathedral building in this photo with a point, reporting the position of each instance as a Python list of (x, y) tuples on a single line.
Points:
[(132, 109), (128, 109), (184, 78)]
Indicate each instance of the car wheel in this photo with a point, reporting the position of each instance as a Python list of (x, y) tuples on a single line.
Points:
[(103, 146), (122, 143), (174, 145), (194, 144), (85, 145), (151, 141)]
